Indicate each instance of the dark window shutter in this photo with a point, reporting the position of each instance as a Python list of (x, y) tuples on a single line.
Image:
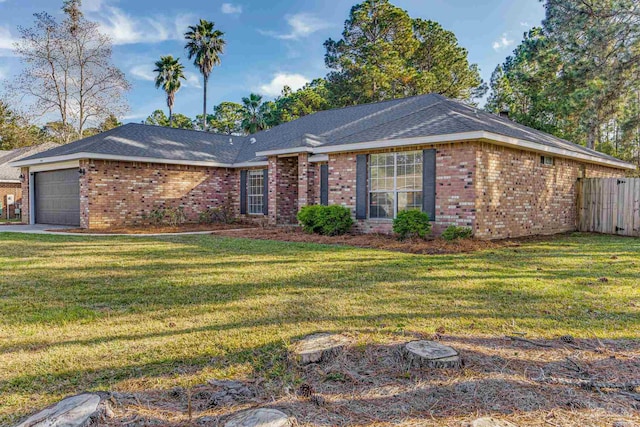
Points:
[(243, 192), (324, 185), (429, 183), (361, 186), (265, 192)]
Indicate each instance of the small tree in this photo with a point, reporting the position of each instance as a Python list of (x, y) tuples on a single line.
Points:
[(69, 72)]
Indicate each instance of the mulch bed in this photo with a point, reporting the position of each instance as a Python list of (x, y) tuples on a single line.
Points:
[(152, 229), (534, 383), (376, 241)]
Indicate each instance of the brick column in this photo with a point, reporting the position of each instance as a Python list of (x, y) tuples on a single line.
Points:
[(273, 191), (306, 181), (26, 202), (85, 181)]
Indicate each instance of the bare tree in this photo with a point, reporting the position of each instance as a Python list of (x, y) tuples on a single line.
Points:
[(69, 72)]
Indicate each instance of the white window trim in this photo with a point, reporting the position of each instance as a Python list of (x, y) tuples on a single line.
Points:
[(395, 190), (260, 173)]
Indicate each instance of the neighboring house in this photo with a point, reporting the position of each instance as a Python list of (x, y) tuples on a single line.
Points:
[(10, 184), (461, 165)]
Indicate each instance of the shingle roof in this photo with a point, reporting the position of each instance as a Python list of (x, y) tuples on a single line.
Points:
[(156, 142), (10, 173), (418, 116)]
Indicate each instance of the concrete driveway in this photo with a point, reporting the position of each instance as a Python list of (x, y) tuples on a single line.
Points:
[(31, 229)]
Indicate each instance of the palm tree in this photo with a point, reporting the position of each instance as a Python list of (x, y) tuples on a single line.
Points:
[(252, 114), (170, 71), (205, 45)]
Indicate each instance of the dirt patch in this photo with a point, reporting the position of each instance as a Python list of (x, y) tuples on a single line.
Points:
[(369, 385), (388, 242), (152, 229)]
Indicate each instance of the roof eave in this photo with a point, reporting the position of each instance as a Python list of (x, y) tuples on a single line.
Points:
[(98, 156), (474, 136)]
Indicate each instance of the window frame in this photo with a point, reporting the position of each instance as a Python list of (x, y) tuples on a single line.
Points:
[(255, 173), (544, 159), (395, 191)]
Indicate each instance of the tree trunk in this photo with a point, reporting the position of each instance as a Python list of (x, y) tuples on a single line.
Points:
[(204, 105), (170, 117)]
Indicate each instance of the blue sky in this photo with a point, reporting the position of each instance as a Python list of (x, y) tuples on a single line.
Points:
[(269, 43)]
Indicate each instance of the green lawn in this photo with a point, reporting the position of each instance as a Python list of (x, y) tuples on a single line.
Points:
[(131, 313)]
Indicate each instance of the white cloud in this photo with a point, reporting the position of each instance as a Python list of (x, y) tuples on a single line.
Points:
[(126, 29), (231, 9), (525, 24), (193, 80), (92, 5), (279, 81), (502, 43), (302, 25), (6, 39), (143, 72)]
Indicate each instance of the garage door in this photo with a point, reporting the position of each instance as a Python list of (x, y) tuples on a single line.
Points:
[(57, 197)]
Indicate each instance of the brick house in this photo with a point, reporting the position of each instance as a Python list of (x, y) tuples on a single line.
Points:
[(461, 165), (10, 184)]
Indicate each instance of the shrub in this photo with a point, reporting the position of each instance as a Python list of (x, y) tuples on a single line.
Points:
[(156, 216), (454, 233), (176, 216), (411, 223), (216, 216), (326, 220)]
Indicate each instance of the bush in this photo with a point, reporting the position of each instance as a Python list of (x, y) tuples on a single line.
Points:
[(454, 233), (176, 216), (411, 223), (156, 216), (326, 220), (216, 216)]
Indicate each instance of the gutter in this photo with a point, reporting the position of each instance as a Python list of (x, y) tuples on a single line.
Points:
[(97, 156)]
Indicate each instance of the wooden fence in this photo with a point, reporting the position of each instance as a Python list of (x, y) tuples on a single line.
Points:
[(609, 205)]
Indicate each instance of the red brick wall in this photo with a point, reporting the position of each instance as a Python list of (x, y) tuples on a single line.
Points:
[(283, 190), (519, 196), (5, 190), (455, 194), (121, 193)]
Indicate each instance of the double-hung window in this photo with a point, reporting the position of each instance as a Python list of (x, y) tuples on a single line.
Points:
[(395, 183), (255, 192)]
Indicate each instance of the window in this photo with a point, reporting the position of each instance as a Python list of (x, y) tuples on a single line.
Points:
[(546, 160), (255, 192), (395, 183)]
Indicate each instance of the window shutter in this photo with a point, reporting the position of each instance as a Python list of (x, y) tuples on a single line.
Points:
[(324, 185), (429, 183), (361, 186), (265, 192), (243, 192)]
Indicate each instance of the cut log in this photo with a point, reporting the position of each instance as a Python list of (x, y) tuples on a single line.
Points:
[(319, 348), (491, 422), (71, 412), (431, 354), (259, 418)]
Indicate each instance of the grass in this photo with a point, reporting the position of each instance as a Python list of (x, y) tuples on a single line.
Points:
[(123, 313)]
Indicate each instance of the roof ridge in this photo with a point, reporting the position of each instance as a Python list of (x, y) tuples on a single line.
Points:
[(188, 130)]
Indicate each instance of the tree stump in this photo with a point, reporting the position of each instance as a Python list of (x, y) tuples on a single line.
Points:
[(259, 418), (431, 354), (319, 348), (71, 412), (491, 422)]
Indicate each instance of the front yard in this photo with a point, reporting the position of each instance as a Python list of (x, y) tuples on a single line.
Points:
[(143, 315)]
